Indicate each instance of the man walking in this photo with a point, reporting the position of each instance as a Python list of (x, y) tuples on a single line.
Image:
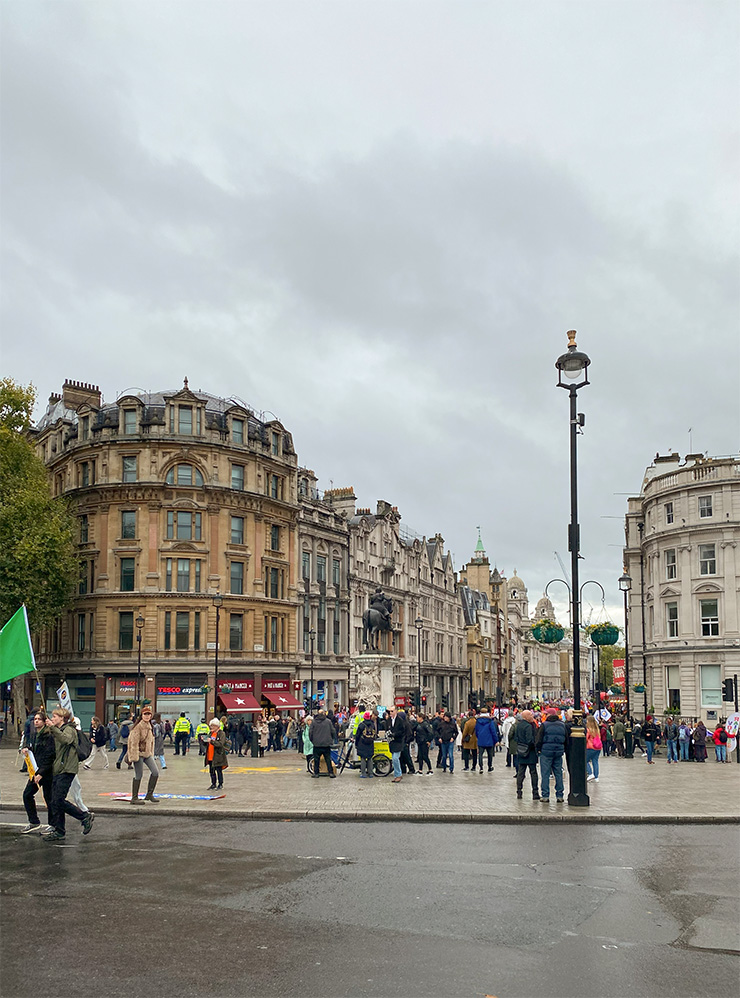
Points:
[(486, 734), (552, 741)]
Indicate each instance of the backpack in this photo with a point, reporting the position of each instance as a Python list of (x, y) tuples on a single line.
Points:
[(723, 736), (368, 734), (123, 731), (84, 746)]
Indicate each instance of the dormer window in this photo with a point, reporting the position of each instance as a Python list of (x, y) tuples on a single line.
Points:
[(187, 418), (237, 431), (129, 421), (84, 428), (276, 444)]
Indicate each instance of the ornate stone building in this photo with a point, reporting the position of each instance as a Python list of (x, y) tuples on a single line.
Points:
[(180, 496), (681, 553), (418, 575), (324, 629)]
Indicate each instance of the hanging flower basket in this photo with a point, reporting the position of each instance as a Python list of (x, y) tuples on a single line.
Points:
[(638, 688), (547, 632), (603, 634)]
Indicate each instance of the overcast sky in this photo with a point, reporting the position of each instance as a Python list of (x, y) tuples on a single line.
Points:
[(378, 220)]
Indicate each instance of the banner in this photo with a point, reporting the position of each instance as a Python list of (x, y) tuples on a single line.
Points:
[(65, 699), (16, 653)]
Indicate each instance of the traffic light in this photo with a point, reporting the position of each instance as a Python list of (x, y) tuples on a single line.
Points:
[(728, 689), (423, 700), (446, 700)]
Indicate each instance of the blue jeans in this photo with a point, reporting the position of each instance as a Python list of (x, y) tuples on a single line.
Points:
[(592, 761), (448, 755), (672, 750), (649, 750), (684, 749), (554, 764), (396, 757), (721, 752)]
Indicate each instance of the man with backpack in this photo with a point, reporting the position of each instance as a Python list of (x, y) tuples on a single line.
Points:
[(66, 767)]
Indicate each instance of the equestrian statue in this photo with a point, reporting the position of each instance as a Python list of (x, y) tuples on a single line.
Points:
[(376, 618)]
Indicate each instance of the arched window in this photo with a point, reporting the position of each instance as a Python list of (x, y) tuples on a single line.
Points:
[(184, 474)]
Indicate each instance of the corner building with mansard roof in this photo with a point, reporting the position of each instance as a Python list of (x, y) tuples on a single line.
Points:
[(180, 495)]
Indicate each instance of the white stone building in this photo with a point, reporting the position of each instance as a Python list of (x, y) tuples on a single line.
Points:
[(681, 553)]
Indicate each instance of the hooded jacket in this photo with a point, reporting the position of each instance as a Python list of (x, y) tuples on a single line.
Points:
[(486, 731), (552, 738)]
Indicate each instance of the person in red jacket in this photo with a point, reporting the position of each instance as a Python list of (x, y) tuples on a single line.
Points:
[(720, 743)]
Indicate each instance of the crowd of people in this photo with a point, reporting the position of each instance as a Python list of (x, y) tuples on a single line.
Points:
[(532, 741)]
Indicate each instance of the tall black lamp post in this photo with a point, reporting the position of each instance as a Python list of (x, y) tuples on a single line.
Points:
[(625, 584), (418, 623), (573, 366), (218, 602), (311, 637), (640, 530), (139, 625)]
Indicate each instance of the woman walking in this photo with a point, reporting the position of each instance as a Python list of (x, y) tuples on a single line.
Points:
[(99, 738), (470, 744), (365, 744), (123, 733), (593, 749), (424, 738), (216, 754), (140, 752), (44, 750)]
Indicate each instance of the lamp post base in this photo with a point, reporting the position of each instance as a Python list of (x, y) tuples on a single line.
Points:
[(629, 748), (578, 796)]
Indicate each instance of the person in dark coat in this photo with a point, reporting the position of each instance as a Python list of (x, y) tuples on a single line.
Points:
[(44, 751), (216, 754), (322, 738), (407, 764), (700, 742), (436, 721), (424, 737), (650, 734), (522, 745), (365, 744), (448, 730), (552, 743), (396, 728)]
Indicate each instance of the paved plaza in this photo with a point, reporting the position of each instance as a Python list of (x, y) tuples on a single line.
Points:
[(279, 786)]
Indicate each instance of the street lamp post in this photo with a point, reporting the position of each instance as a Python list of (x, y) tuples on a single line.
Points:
[(625, 584), (418, 623), (573, 365), (641, 528), (139, 625), (311, 636), (218, 601)]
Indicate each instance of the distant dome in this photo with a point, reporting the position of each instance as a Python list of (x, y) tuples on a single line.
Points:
[(515, 587), (544, 608)]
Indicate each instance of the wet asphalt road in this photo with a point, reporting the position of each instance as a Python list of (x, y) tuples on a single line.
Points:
[(184, 908)]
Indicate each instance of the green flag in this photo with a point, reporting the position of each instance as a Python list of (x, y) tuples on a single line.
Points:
[(16, 653)]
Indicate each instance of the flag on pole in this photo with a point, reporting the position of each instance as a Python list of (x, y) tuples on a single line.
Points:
[(16, 653)]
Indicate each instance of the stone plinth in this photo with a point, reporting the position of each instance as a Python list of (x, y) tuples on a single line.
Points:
[(375, 678)]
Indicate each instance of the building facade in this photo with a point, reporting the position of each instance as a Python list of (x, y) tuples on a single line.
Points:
[(681, 553), (180, 497)]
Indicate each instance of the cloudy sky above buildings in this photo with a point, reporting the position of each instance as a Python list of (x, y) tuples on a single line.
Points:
[(377, 220)]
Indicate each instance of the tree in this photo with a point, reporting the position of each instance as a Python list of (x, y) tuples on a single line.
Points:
[(38, 563)]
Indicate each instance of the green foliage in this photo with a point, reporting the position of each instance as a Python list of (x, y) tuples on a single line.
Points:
[(38, 564)]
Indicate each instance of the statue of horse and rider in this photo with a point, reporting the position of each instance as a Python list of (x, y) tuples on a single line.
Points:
[(376, 618)]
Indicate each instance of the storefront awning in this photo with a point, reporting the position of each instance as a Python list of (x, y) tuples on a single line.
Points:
[(239, 703), (283, 700)]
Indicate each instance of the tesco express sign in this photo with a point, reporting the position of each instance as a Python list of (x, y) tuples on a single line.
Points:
[(180, 690)]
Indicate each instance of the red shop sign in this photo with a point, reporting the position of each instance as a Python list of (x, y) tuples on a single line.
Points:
[(237, 685), (275, 684)]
